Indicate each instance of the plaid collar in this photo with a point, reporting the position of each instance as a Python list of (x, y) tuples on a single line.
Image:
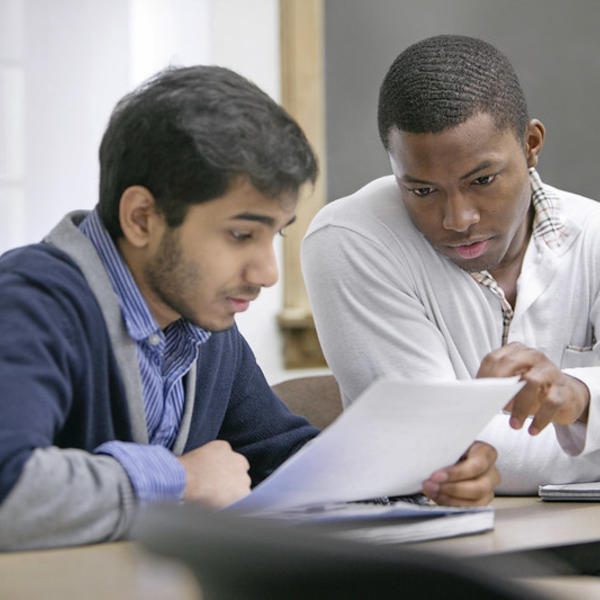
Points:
[(548, 225)]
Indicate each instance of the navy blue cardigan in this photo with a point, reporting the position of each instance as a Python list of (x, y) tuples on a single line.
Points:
[(60, 384)]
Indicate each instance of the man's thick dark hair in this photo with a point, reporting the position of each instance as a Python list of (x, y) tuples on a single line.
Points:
[(442, 81), (186, 133)]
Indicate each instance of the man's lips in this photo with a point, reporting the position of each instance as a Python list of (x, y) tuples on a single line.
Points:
[(469, 249), (240, 304)]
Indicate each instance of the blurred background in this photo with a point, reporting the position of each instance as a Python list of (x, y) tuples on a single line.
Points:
[(65, 63), (554, 46)]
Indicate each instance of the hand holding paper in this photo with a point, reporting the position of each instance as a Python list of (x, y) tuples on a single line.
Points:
[(390, 440), (469, 482)]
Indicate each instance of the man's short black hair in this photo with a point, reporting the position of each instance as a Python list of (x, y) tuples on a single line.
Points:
[(186, 133), (442, 81)]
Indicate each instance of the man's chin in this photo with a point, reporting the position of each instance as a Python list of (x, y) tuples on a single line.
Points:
[(485, 262), (473, 266), (214, 326)]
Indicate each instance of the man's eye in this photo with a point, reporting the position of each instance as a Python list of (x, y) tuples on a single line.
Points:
[(241, 236), (281, 232), (484, 180), (423, 191)]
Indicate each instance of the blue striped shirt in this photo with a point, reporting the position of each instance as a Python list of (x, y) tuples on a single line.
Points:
[(164, 358)]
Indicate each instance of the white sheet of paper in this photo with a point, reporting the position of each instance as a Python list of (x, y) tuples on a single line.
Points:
[(386, 443)]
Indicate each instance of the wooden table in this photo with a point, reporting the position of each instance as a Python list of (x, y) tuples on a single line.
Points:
[(530, 532), (528, 523), (123, 570), (115, 571)]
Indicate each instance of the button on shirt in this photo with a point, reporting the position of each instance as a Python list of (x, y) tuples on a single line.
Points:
[(164, 358)]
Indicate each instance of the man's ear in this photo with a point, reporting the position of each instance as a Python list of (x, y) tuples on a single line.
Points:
[(138, 216), (534, 141)]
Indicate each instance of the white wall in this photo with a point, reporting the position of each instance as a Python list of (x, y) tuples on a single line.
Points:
[(12, 122), (167, 32), (76, 67), (63, 66)]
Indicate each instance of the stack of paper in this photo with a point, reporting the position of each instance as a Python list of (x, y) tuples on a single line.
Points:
[(390, 440), (589, 492), (404, 519)]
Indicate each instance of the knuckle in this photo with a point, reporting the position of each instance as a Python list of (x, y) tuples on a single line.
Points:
[(479, 465), (222, 444), (536, 355), (488, 359), (487, 451), (553, 402), (534, 379)]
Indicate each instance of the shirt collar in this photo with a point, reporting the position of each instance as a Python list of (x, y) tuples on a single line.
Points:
[(548, 226), (139, 320)]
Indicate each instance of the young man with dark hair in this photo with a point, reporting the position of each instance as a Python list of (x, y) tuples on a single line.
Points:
[(123, 378), (464, 264)]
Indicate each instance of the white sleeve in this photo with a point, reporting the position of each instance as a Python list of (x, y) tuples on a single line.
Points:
[(368, 318), (527, 461), (371, 322), (584, 363), (583, 438)]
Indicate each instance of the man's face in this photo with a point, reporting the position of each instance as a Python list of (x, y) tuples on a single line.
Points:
[(467, 190), (216, 262)]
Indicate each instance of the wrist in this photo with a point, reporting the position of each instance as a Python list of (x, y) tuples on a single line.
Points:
[(583, 398)]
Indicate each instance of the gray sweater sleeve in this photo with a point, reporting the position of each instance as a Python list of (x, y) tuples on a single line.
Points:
[(67, 497)]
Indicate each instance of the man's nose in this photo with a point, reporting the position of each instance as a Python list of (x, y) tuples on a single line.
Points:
[(262, 270), (459, 213)]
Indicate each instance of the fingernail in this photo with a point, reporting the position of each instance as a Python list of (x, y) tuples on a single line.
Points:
[(515, 423), (439, 476), (533, 430), (431, 487)]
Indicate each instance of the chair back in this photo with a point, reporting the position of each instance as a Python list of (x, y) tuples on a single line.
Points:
[(317, 398)]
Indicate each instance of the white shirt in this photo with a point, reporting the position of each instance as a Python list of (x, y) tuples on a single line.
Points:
[(386, 302)]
